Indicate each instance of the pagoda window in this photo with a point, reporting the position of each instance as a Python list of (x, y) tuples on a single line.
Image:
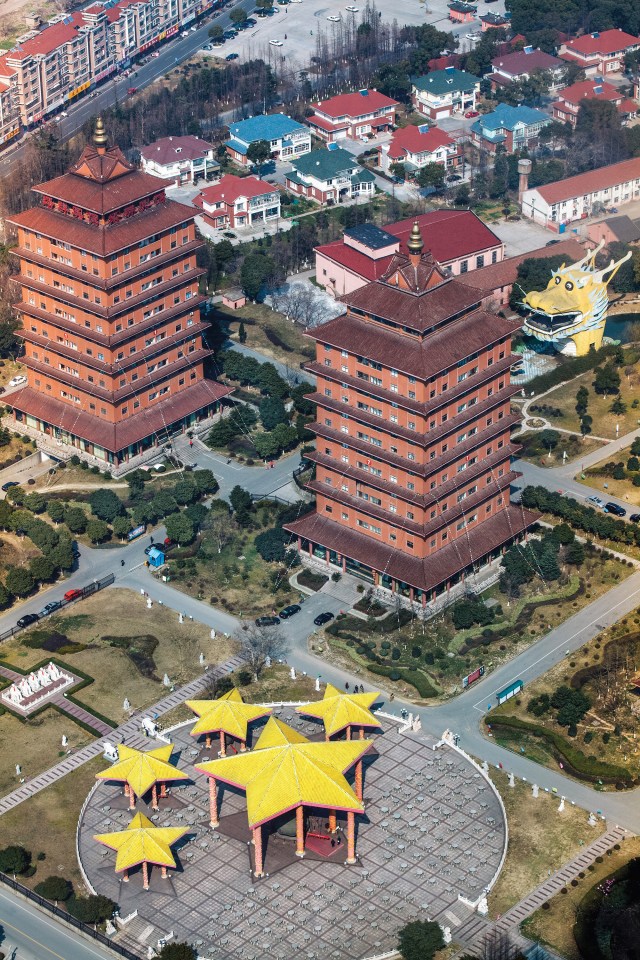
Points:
[(411, 486)]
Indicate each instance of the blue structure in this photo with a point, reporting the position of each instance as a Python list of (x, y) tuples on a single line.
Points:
[(509, 691), (156, 557), (510, 127), (286, 138)]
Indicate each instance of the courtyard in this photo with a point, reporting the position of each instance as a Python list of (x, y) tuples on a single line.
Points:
[(433, 831)]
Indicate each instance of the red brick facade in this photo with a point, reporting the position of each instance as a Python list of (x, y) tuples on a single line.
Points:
[(110, 311), (413, 432)]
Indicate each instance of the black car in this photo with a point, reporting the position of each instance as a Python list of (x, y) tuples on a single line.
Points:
[(323, 618), (615, 509), (10, 483), (28, 619), (230, 34), (267, 621), (290, 611), (635, 518), (251, 22), (231, 56)]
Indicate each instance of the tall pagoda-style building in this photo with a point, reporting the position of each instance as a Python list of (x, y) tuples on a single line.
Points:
[(110, 311), (413, 452)]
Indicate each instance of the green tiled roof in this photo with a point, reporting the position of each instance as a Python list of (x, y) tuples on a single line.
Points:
[(440, 82), (325, 164)]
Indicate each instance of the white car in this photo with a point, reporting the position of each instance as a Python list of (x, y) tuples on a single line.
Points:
[(334, 19), (16, 381), (595, 502), (353, 9), (275, 43)]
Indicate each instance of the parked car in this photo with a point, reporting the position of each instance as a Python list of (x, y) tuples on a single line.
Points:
[(290, 611), (635, 518), (323, 618), (232, 56), (613, 508), (156, 53), (28, 619), (250, 22), (10, 483), (275, 43), (16, 381), (453, 178), (50, 607), (471, 113), (230, 34), (596, 502), (267, 621), (352, 9), (552, 243), (131, 91), (72, 595), (333, 19)]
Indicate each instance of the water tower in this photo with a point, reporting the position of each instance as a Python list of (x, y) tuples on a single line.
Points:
[(524, 170)]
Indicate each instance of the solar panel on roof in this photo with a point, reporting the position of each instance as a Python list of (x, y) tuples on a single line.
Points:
[(371, 236)]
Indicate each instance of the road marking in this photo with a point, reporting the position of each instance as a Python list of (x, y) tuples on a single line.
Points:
[(565, 643), (38, 943)]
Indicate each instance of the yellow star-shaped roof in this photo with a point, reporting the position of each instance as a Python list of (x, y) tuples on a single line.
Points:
[(142, 842), (339, 710), (228, 713), (141, 770), (286, 770)]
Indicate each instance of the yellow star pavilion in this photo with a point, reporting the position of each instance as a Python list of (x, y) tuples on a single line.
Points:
[(286, 772), (140, 772), (228, 715), (142, 843)]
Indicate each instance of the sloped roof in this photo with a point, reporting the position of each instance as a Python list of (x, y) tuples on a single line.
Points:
[(448, 80), (502, 274), (339, 710), (271, 126), (417, 140), (141, 770), (521, 62), (229, 713), (609, 41), (169, 149), (286, 770), (585, 183), (589, 90), (230, 187), (354, 104), (624, 228), (505, 117), (324, 164), (142, 842)]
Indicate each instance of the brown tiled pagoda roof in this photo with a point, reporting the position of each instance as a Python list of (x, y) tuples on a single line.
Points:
[(104, 241), (424, 574), (118, 436), (425, 358)]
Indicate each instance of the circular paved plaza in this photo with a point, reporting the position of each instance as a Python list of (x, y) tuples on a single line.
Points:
[(433, 829)]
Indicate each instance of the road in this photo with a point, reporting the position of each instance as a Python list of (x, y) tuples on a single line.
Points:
[(31, 934)]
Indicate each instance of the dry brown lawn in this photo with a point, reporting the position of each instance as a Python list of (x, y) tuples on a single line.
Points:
[(540, 839), (555, 925), (46, 823), (35, 744), (604, 422), (263, 326)]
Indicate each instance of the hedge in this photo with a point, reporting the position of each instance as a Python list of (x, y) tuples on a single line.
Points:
[(414, 677), (578, 515), (576, 762), (569, 369)]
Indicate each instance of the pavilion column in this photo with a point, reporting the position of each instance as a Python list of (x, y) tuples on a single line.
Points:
[(423, 597), (145, 875), (411, 594), (154, 797), (358, 783), (163, 872), (223, 749), (125, 876), (362, 733), (351, 837), (344, 564), (132, 799), (243, 746), (348, 733), (163, 791), (326, 556), (213, 803), (333, 821), (300, 831), (257, 851), (207, 741)]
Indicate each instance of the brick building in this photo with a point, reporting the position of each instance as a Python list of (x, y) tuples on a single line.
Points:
[(352, 115), (110, 312), (329, 176), (415, 147), (600, 53), (239, 202), (413, 451), (566, 107), (512, 128)]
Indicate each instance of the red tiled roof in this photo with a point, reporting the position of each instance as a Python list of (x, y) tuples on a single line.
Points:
[(231, 187), (586, 89), (422, 573), (504, 274), (170, 149), (609, 41), (412, 140), (448, 234), (585, 183), (327, 125), (104, 240), (53, 36), (424, 358), (354, 104), (115, 437), (101, 197)]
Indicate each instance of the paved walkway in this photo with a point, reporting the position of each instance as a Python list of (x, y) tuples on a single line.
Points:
[(128, 731)]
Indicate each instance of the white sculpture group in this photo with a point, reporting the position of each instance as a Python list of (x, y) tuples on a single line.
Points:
[(37, 682)]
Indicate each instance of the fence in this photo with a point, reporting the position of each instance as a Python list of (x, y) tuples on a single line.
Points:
[(83, 592), (84, 928)]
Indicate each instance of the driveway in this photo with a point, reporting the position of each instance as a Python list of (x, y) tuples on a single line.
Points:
[(521, 237)]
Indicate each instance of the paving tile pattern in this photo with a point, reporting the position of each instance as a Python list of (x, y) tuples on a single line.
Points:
[(433, 829)]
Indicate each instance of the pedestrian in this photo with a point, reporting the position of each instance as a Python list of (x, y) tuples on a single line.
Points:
[(190, 443), (346, 686)]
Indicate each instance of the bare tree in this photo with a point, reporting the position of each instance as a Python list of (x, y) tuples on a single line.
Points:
[(302, 304), (222, 528), (259, 642), (498, 945)]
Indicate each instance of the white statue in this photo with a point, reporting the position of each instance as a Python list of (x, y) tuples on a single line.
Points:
[(33, 682), (512, 780), (417, 724), (54, 673), (201, 659), (485, 766), (180, 618), (267, 661), (110, 751), (126, 705), (446, 935), (18, 769), (65, 740), (317, 684), (561, 807), (212, 634), (25, 689), (483, 907), (166, 680), (535, 791), (592, 820), (149, 603), (292, 673)]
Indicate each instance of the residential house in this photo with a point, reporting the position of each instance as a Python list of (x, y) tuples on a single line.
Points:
[(576, 198), (493, 21), (239, 202), (444, 92), (521, 64), (329, 176), (181, 159), (566, 107), (461, 12), (600, 53), (457, 239), (514, 128), (415, 147), (353, 115), (287, 139), (620, 229)]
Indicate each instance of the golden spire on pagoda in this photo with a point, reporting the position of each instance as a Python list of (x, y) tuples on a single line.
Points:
[(415, 243), (99, 134)]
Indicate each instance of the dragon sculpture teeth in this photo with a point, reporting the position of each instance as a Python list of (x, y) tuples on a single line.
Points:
[(572, 311)]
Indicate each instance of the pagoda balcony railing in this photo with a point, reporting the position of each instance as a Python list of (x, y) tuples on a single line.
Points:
[(109, 283), (184, 308), (82, 385), (415, 467), (503, 455), (106, 313), (416, 406), (115, 367)]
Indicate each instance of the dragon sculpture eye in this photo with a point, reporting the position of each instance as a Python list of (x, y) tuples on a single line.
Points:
[(557, 279), (568, 285)]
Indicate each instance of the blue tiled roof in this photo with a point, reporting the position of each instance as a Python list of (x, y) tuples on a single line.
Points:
[(237, 146), (269, 127), (505, 117)]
